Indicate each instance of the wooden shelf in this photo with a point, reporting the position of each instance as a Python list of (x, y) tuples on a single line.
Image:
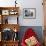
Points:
[(10, 26), (9, 9), (3, 8), (5, 25), (9, 43)]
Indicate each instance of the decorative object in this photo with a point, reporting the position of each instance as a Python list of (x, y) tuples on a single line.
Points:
[(5, 12), (13, 12), (29, 13), (15, 36), (15, 3), (6, 21)]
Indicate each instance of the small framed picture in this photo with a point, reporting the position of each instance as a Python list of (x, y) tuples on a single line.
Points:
[(29, 13), (5, 12)]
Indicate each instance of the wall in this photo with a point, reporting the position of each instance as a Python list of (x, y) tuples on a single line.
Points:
[(39, 13), (7, 3), (27, 4)]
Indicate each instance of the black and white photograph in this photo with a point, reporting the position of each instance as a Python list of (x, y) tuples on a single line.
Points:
[(29, 13)]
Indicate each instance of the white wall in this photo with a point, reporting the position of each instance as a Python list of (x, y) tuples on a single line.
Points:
[(6, 3), (27, 4), (39, 13)]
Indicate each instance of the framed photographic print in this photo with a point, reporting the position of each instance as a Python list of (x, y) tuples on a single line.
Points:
[(29, 13), (5, 12)]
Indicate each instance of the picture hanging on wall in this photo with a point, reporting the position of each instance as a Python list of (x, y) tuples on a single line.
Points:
[(29, 13)]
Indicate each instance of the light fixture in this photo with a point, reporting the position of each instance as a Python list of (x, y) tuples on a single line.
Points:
[(15, 3)]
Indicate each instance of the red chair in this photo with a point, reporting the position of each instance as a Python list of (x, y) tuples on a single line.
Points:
[(29, 33)]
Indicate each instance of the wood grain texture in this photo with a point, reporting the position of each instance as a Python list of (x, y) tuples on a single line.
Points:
[(10, 26), (9, 43)]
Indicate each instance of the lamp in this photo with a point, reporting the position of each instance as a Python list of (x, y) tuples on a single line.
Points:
[(15, 3)]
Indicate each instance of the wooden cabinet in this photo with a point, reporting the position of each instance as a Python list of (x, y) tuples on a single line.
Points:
[(9, 23), (10, 43)]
